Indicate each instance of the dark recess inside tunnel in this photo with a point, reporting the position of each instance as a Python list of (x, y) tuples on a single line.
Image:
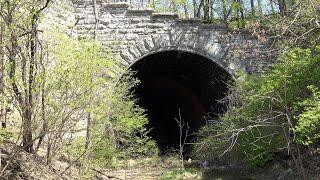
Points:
[(178, 82)]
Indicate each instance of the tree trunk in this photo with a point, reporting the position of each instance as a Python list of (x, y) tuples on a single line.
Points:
[(25, 95), (89, 133), (282, 7), (96, 17), (237, 11), (194, 4), (27, 115), (225, 12), (12, 51), (27, 141), (48, 152), (2, 104), (206, 11), (198, 15), (212, 13), (2, 117), (242, 13), (185, 8), (253, 11), (29, 106), (44, 127), (260, 8)]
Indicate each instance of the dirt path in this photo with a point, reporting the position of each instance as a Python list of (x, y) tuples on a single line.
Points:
[(132, 174), (148, 169)]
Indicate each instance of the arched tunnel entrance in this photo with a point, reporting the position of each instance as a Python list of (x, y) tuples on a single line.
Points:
[(177, 84)]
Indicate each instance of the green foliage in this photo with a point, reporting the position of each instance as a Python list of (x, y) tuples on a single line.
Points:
[(120, 134), (5, 134), (177, 6), (236, 6), (81, 81), (128, 120), (261, 107), (308, 125), (178, 173), (210, 147), (100, 154)]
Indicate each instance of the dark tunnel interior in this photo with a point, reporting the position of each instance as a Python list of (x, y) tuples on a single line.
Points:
[(174, 85)]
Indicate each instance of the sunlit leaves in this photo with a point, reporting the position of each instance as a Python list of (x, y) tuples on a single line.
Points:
[(264, 103), (308, 122)]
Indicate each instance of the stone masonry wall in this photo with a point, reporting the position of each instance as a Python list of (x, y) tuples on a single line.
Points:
[(133, 33)]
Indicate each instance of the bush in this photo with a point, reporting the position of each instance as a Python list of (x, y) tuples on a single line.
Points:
[(83, 85), (128, 121), (264, 109), (308, 125), (5, 134)]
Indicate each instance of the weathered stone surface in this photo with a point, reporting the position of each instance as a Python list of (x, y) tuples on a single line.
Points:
[(139, 12), (135, 33), (164, 15)]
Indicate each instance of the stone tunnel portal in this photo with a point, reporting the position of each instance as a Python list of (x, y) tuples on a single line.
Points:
[(177, 82)]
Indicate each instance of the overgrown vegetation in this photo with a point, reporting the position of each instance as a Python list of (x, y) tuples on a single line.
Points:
[(277, 111), (263, 107), (83, 90), (63, 98), (66, 96)]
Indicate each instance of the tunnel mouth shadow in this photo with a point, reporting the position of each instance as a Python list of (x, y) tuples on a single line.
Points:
[(179, 86)]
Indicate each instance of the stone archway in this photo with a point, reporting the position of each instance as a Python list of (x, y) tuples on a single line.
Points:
[(178, 84)]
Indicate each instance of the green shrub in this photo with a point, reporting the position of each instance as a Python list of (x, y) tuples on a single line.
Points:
[(308, 125), (5, 134), (261, 107), (129, 120)]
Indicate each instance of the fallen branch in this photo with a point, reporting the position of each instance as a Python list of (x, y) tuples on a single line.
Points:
[(108, 176)]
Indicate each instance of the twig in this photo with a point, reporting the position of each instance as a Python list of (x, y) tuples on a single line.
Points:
[(108, 176)]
